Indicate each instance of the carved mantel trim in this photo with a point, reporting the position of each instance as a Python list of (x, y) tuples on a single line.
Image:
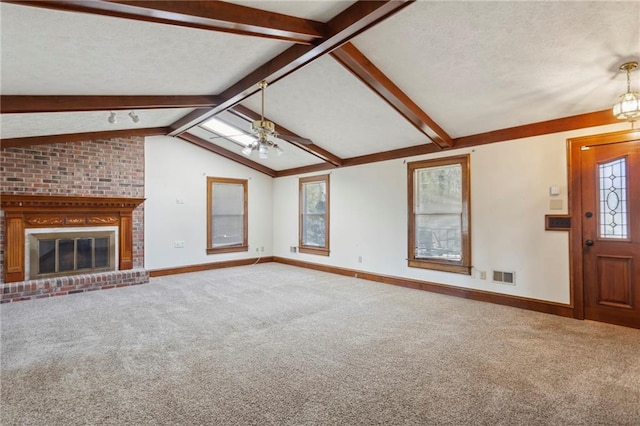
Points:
[(34, 211)]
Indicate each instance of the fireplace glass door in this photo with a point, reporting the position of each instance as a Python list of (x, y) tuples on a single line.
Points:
[(57, 254)]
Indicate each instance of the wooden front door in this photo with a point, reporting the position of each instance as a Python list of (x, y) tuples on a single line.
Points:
[(610, 230)]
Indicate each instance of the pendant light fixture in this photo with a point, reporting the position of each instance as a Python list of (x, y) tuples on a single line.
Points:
[(628, 106)]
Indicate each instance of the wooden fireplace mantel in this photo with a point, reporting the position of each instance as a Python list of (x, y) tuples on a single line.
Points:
[(52, 211)]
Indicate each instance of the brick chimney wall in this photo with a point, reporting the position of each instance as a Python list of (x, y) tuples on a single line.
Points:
[(99, 168)]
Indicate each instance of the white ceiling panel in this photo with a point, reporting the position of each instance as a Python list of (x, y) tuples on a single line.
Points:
[(69, 53), (480, 66), (326, 103), (58, 123), (315, 10)]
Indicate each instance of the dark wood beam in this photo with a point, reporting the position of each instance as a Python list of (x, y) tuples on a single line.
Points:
[(581, 121), (227, 154), (391, 155), (20, 104), (206, 15), (79, 137), (343, 27), (249, 115), (360, 66), (305, 169)]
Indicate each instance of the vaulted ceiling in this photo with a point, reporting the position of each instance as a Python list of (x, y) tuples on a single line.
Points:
[(365, 81)]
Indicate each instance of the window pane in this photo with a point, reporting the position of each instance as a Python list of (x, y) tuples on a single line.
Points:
[(438, 236), (439, 190), (314, 198), (313, 230), (228, 198), (613, 199), (227, 230)]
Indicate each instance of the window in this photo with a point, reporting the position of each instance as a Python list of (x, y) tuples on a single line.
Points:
[(439, 219), (314, 215), (226, 215)]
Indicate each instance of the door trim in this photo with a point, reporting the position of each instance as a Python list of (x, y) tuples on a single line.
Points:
[(574, 145)]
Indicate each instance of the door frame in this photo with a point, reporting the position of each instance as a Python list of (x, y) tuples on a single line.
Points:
[(575, 173)]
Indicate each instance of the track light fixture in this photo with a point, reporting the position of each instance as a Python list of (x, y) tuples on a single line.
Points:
[(134, 117)]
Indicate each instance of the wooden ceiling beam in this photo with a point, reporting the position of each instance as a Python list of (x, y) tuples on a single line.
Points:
[(340, 29), (360, 66), (206, 15), (565, 124), (216, 149), (22, 104), (249, 115), (79, 137), (574, 122)]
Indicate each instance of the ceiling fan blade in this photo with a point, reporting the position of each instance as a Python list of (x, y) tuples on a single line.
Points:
[(298, 139)]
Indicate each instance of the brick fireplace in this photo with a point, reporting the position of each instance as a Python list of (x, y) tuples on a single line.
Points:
[(80, 187)]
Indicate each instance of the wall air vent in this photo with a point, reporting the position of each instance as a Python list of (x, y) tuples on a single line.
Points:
[(504, 277)]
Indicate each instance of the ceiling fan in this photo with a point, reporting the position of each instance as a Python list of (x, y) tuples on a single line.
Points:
[(264, 131)]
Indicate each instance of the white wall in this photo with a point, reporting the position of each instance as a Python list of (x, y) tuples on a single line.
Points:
[(509, 198), (175, 169)]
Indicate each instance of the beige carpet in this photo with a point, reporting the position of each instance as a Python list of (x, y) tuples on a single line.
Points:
[(277, 345)]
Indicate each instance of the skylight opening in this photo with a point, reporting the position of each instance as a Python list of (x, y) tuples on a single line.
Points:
[(228, 131)]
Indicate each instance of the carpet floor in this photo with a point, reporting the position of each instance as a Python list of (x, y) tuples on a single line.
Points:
[(272, 344)]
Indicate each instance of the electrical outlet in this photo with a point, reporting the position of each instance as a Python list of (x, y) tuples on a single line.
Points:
[(262, 249), (482, 275), (359, 259), (294, 249), (178, 244)]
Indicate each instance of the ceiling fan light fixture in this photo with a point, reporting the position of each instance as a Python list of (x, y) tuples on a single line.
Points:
[(263, 151), (628, 105), (247, 150), (263, 126)]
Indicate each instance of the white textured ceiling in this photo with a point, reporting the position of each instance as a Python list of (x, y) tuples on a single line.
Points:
[(316, 10), (49, 52), (58, 123), (471, 66), (480, 66), (326, 103)]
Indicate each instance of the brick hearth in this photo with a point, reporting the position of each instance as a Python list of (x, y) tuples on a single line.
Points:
[(61, 286)]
